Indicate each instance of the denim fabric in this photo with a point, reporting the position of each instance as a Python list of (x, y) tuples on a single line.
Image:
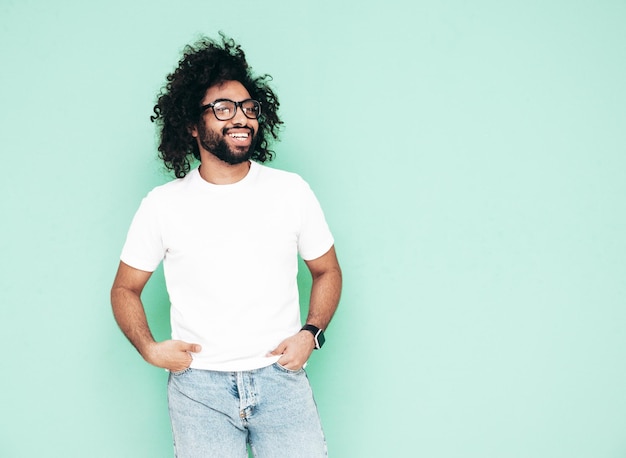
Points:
[(214, 414)]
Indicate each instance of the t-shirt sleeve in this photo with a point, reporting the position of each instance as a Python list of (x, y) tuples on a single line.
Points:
[(315, 238), (144, 249)]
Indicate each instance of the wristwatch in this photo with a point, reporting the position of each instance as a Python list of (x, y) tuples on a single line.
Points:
[(318, 334)]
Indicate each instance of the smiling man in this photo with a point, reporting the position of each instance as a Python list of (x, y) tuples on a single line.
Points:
[(242, 136), (229, 233)]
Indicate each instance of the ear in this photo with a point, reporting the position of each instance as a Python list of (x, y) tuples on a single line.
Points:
[(193, 130)]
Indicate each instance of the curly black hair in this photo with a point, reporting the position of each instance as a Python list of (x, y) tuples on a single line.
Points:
[(202, 66)]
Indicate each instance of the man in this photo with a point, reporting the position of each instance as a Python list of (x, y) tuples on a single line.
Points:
[(229, 233)]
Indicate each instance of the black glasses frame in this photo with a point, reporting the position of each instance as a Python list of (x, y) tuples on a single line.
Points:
[(203, 108)]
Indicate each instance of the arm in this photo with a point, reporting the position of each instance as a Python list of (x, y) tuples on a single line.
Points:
[(130, 315), (325, 290), (325, 293)]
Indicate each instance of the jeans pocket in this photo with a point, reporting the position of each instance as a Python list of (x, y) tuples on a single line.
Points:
[(179, 373), (283, 369)]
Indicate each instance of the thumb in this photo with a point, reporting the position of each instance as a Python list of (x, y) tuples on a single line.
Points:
[(278, 350), (192, 347)]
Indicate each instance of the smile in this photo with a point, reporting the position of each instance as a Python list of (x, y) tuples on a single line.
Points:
[(239, 135)]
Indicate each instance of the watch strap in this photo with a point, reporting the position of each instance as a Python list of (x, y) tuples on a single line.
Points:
[(318, 334)]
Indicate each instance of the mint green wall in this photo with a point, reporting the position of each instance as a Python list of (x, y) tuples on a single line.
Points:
[(471, 160)]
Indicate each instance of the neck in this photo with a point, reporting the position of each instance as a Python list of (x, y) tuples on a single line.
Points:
[(216, 171)]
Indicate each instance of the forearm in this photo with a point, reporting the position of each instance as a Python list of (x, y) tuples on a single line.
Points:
[(325, 294), (129, 313), (131, 318)]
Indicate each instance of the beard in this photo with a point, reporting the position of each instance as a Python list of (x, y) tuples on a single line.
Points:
[(216, 144)]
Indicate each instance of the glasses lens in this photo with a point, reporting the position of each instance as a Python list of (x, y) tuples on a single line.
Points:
[(251, 108), (224, 110)]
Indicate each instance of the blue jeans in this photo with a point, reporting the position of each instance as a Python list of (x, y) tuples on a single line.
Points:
[(214, 414)]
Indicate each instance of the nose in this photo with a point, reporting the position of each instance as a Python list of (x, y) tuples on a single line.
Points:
[(240, 118)]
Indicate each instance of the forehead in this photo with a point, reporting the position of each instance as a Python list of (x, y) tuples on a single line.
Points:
[(233, 90)]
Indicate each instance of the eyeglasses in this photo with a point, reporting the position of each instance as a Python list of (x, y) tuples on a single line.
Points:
[(225, 109)]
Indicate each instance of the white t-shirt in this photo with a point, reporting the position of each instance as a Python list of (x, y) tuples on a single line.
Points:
[(229, 255)]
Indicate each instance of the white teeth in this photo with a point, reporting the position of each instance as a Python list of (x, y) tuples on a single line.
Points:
[(241, 135)]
